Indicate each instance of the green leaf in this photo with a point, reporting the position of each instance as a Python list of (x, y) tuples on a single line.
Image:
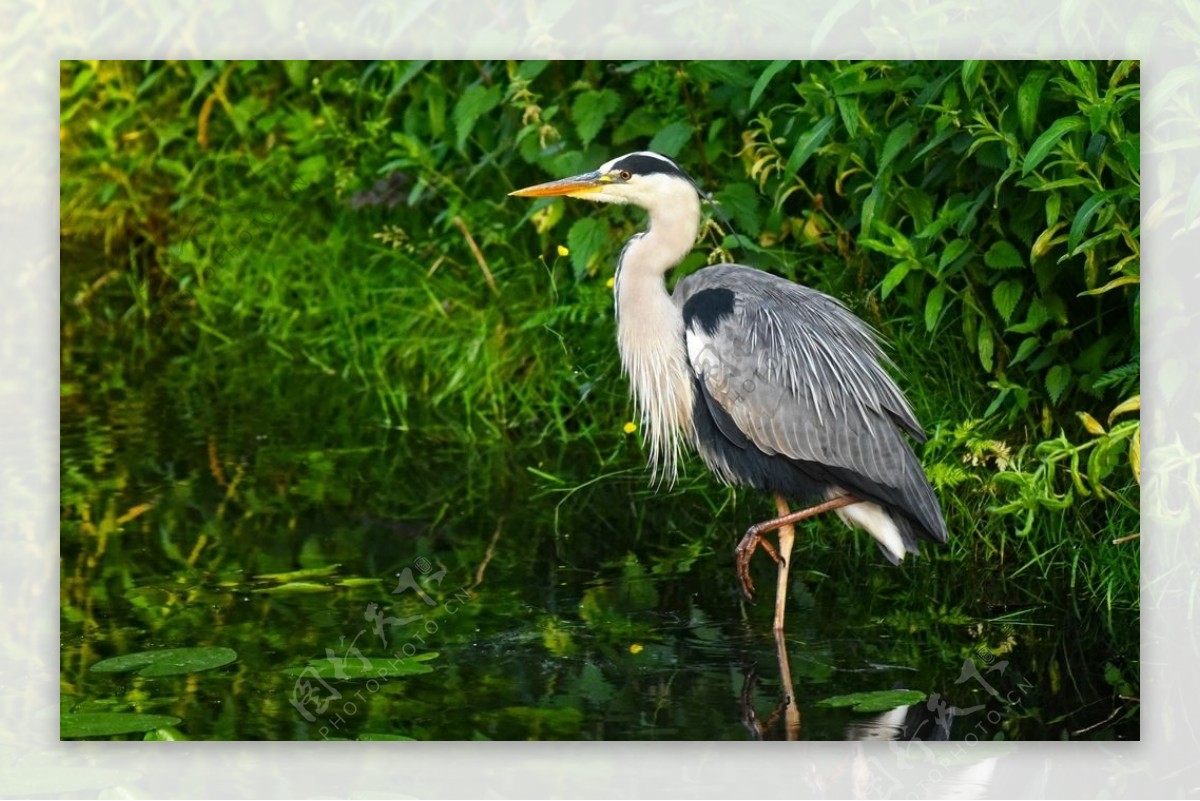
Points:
[(972, 74), (586, 238), (740, 201), (808, 142), (877, 701), (353, 668), (1028, 97), (986, 347), (671, 139), (474, 103), (760, 85), (933, 306), (897, 140), (1005, 297), (953, 250), (895, 276), (590, 110), (1024, 350), (1083, 217), (1057, 379), (1049, 138), (106, 724), (168, 661), (1003, 256)]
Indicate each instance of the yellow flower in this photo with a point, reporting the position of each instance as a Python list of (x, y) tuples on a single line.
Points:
[(636, 648), (630, 427), (610, 283), (562, 251)]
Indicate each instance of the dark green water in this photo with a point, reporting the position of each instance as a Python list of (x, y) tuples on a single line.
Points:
[(608, 628)]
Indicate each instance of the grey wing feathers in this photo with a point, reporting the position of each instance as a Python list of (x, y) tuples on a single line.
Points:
[(801, 376)]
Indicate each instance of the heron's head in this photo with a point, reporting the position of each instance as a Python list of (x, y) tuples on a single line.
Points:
[(644, 179)]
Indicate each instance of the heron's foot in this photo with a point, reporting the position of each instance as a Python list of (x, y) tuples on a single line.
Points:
[(745, 550)]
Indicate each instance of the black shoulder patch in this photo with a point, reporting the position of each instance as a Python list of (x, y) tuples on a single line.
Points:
[(708, 307), (641, 164)]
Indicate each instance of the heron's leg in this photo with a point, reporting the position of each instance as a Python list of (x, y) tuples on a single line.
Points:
[(787, 538), (754, 536)]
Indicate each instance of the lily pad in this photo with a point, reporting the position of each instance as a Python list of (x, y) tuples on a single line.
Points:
[(296, 575), (355, 669), (375, 737), (168, 661), (296, 588), (877, 701), (106, 724)]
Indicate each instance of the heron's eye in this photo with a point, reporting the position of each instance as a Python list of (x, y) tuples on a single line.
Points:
[(625, 175)]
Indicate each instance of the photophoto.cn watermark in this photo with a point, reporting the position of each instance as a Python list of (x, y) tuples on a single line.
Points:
[(331, 709)]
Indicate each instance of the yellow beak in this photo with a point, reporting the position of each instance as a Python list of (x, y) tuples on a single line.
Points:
[(576, 186)]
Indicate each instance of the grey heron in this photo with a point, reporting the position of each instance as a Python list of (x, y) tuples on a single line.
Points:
[(777, 386)]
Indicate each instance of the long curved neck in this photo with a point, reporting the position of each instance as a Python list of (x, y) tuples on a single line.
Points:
[(650, 328)]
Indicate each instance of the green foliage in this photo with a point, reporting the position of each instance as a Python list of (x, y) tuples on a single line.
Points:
[(329, 247)]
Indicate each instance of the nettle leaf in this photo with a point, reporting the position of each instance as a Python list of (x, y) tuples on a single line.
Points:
[(586, 238), (740, 202), (1005, 297), (474, 103), (590, 110), (671, 139), (1049, 138), (1003, 256), (1057, 379)]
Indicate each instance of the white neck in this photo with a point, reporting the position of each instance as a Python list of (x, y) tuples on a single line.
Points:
[(650, 328)]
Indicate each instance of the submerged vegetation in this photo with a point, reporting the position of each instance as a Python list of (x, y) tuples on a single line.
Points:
[(302, 325)]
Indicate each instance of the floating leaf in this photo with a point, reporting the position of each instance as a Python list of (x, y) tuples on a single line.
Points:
[(372, 667), (312, 572), (877, 701), (106, 724), (296, 588), (168, 661)]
